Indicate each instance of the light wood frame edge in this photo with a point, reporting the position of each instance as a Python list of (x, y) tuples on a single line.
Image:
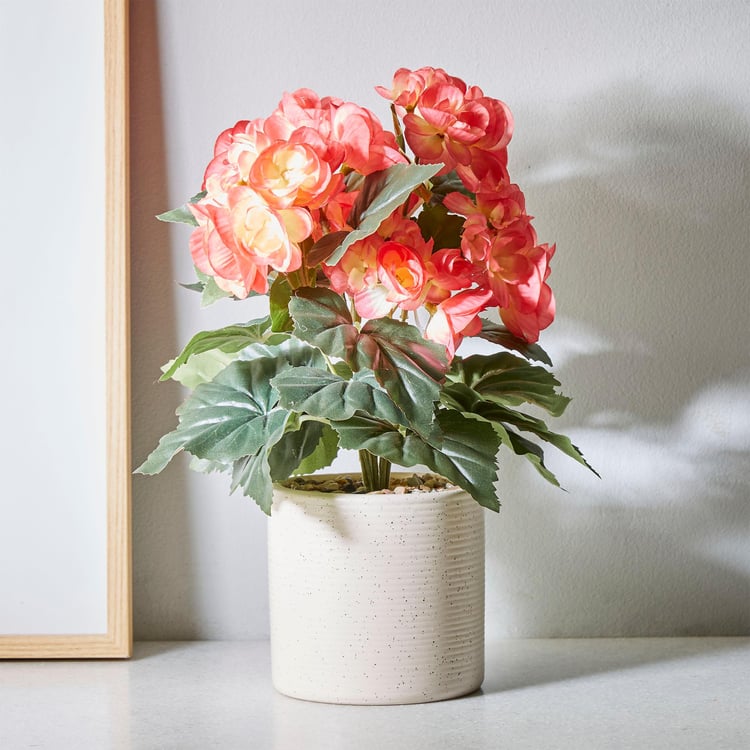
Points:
[(117, 642)]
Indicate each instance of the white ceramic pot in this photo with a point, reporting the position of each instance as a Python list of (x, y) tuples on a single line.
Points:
[(376, 599)]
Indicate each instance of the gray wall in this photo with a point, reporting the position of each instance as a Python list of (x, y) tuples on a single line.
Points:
[(632, 146)]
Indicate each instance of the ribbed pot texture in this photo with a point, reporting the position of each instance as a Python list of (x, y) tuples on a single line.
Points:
[(376, 599)]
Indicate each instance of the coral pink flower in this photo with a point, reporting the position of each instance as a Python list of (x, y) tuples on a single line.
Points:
[(499, 206), (528, 324), (458, 316), (235, 151), (456, 127), (403, 274), (408, 85), (367, 147), (512, 260), (268, 236), (449, 271), (288, 174), (233, 272), (357, 269)]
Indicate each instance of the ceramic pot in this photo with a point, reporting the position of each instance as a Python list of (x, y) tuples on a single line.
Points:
[(376, 598)]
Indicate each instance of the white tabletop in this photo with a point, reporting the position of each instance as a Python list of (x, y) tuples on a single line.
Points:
[(605, 693)]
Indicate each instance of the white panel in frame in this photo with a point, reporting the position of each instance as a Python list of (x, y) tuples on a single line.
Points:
[(65, 567)]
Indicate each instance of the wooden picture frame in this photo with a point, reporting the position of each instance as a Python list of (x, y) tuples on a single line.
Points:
[(116, 642)]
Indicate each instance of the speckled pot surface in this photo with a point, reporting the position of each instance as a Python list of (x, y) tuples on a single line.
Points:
[(376, 599)]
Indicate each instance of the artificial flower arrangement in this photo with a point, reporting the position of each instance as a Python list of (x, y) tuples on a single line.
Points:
[(377, 263)]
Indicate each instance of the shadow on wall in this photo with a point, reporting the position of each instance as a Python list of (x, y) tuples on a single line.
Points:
[(161, 524), (647, 199)]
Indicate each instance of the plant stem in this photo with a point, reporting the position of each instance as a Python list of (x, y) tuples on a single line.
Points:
[(376, 472)]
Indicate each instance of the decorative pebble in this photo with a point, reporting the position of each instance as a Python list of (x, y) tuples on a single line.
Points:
[(349, 484)]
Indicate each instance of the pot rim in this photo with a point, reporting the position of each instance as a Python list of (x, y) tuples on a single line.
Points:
[(441, 493)]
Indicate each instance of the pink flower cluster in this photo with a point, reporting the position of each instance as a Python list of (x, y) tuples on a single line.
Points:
[(277, 185), (276, 182)]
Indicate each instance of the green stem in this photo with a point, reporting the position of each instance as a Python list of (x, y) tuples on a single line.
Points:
[(376, 472)]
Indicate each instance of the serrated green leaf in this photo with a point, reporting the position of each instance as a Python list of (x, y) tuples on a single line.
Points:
[(467, 455), (293, 448), (325, 452), (499, 334), (527, 423), (200, 368), (205, 466), (228, 340), (510, 381), (233, 415), (528, 450), (253, 475), (409, 368), (400, 180), (320, 393)]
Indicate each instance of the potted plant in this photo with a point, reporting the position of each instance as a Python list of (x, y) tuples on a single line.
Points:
[(378, 251)]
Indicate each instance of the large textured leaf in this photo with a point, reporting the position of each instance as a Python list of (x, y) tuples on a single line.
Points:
[(253, 475), (322, 394), (528, 450), (321, 317), (400, 180), (235, 414), (527, 423), (409, 368), (230, 339), (225, 419), (201, 368), (299, 441), (325, 452), (510, 381), (467, 455), (498, 334)]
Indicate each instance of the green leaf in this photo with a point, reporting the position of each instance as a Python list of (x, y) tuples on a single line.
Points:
[(279, 295), (212, 293), (527, 423), (323, 248), (320, 393), (528, 450), (498, 334), (467, 455), (228, 340), (196, 286), (200, 368), (409, 368), (445, 229), (224, 420), (325, 452), (205, 466), (442, 185), (236, 413), (294, 447), (182, 215), (400, 180), (321, 317), (510, 381), (253, 475)]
